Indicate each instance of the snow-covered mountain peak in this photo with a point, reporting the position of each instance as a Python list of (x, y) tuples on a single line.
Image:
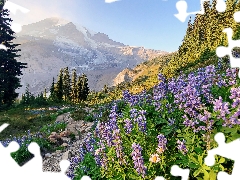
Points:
[(55, 43)]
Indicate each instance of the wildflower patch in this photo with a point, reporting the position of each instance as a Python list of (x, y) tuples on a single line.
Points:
[(157, 135)]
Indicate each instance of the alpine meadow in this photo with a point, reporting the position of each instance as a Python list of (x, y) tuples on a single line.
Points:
[(165, 112)]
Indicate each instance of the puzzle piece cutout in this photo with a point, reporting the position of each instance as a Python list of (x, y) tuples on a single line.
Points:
[(31, 169), (222, 51), (13, 8), (181, 6), (177, 171), (227, 150), (3, 126)]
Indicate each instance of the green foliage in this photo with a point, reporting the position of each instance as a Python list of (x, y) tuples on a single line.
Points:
[(89, 118), (10, 69), (72, 136), (79, 114), (66, 85), (88, 167), (22, 156), (56, 127), (59, 87), (74, 87), (203, 36)]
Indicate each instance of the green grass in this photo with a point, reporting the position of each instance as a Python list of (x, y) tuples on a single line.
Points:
[(20, 121)]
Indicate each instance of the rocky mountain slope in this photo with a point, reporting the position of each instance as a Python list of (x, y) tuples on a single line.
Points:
[(145, 70), (54, 43)]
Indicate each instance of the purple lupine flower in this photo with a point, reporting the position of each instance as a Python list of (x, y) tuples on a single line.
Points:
[(133, 113), (182, 147), (138, 159), (171, 121), (190, 123), (142, 124), (73, 163), (89, 142), (128, 126), (231, 76), (235, 96), (221, 107), (126, 95), (118, 146), (162, 143), (104, 132), (100, 155), (113, 117)]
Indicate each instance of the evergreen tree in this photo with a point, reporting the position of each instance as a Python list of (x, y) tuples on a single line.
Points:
[(9, 67), (74, 86), (105, 89), (59, 87), (66, 85), (52, 96), (80, 89), (27, 95), (45, 93), (85, 87)]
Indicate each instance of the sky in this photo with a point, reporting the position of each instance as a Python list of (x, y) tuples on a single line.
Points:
[(145, 23)]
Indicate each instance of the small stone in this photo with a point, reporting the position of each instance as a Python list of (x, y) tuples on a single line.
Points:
[(58, 151), (64, 145), (48, 155), (66, 140), (65, 155)]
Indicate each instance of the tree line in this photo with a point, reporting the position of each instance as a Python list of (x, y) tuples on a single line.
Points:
[(73, 90), (203, 35), (65, 90)]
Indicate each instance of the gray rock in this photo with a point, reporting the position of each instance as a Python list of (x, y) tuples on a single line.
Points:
[(48, 155), (58, 151), (65, 139), (64, 145), (65, 155)]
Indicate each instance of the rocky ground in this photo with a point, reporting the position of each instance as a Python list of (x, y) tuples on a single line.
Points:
[(80, 129)]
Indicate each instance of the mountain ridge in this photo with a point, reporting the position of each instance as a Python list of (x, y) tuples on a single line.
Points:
[(54, 43)]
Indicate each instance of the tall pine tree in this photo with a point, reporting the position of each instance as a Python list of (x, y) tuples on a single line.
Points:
[(59, 87), (85, 87), (80, 89), (9, 67), (52, 96), (74, 86), (66, 85)]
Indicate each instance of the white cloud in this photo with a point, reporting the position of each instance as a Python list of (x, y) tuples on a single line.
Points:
[(110, 1)]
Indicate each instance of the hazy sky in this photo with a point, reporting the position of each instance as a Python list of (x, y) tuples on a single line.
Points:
[(147, 23)]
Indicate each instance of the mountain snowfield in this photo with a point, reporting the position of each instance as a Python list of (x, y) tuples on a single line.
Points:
[(55, 43)]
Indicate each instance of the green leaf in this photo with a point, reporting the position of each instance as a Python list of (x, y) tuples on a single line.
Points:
[(200, 159), (192, 165), (198, 150), (206, 175), (194, 160), (197, 172), (212, 175), (222, 168), (178, 131), (222, 160)]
